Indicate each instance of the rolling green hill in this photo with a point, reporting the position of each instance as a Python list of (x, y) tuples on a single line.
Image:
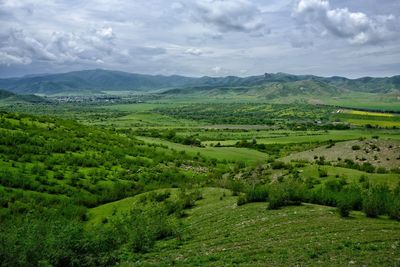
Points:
[(217, 232), (5, 94), (7, 97)]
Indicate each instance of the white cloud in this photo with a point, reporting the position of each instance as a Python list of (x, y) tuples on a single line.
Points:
[(194, 51), (217, 70), (106, 33), (356, 27)]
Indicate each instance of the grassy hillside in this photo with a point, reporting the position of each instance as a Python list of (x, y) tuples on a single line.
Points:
[(8, 98), (218, 232), (5, 94), (87, 165)]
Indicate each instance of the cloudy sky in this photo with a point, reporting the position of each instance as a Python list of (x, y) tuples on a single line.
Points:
[(350, 38)]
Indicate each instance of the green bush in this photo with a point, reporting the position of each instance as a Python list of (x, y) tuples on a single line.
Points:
[(258, 193), (394, 208), (54, 241), (322, 173), (241, 200), (344, 208), (236, 186), (381, 170), (286, 193), (375, 201), (142, 226), (276, 165)]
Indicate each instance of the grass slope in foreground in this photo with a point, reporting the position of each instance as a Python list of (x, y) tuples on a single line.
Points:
[(219, 233)]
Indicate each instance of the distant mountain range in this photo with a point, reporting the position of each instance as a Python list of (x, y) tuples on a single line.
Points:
[(96, 81)]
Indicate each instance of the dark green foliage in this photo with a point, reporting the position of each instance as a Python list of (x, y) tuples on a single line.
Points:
[(366, 166), (344, 208), (376, 201), (236, 186), (143, 226), (55, 241), (258, 193), (278, 165), (286, 193), (381, 170), (186, 200), (322, 173), (356, 147), (393, 208), (241, 200), (335, 184), (349, 199)]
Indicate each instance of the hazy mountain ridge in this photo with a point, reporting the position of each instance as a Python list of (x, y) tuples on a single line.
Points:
[(98, 80)]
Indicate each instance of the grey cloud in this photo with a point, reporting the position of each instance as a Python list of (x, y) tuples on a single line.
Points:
[(147, 51), (356, 27), (193, 36), (228, 16), (20, 47)]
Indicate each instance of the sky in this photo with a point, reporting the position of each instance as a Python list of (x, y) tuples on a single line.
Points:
[(350, 38)]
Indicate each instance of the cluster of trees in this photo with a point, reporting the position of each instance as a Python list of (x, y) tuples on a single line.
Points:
[(373, 200)]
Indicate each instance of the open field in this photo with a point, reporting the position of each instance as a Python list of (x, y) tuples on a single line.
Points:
[(306, 137), (366, 101), (221, 153), (350, 175)]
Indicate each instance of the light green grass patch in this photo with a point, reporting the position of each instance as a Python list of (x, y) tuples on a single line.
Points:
[(220, 153)]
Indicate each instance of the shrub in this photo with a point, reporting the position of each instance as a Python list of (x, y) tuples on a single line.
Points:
[(278, 165), (188, 200), (344, 208), (349, 199), (367, 167), (257, 193), (394, 208), (375, 200), (241, 200), (143, 226), (335, 184), (322, 173), (356, 147), (160, 197), (311, 182), (381, 170), (286, 193), (56, 241), (236, 186)]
